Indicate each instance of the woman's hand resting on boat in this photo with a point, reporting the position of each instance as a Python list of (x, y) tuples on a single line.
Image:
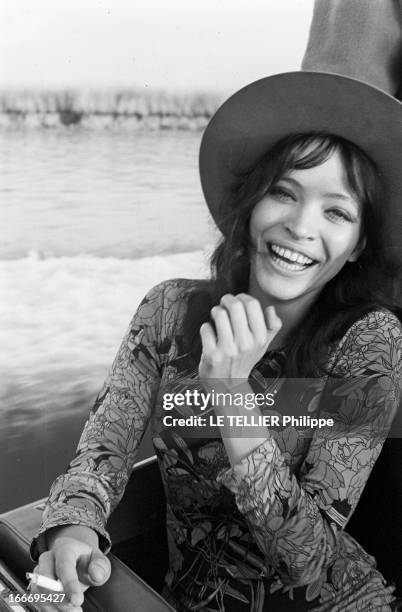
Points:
[(73, 558), (242, 335)]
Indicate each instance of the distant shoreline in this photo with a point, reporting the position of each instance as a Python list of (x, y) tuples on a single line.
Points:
[(101, 121), (129, 109)]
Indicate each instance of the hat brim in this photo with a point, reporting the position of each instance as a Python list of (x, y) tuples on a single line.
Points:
[(255, 118)]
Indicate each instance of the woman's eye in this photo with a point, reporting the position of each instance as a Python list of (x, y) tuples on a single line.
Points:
[(282, 194), (339, 215)]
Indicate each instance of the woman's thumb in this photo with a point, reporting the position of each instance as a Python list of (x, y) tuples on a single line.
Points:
[(98, 568)]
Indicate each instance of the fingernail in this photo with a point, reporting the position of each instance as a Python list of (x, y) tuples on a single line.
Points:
[(97, 572)]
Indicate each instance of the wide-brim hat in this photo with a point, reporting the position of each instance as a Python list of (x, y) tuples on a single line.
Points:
[(255, 118)]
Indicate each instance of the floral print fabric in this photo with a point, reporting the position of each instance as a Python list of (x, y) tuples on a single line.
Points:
[(267, 533)]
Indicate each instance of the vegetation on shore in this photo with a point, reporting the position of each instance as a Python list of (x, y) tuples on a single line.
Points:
[(110, 108)]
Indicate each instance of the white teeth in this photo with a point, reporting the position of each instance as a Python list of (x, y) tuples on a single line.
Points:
[(289, 266), (293, 256)]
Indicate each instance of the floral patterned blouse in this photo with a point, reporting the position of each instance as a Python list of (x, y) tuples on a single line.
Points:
[(267, 533)]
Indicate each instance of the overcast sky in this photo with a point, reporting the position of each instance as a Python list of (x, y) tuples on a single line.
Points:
[(172, 44)]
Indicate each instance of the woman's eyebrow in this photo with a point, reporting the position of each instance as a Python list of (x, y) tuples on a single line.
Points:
[(289, 179), (339, 196), (334, 195), (343, 197)]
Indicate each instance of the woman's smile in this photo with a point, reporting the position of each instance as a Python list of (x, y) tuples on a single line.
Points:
[(303, 232), (288, 258)]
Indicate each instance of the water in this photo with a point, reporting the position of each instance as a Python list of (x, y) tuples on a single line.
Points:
[(98, 192), (91, 220)]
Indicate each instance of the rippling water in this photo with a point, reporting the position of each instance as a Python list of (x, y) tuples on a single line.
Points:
[(91, 220), (121, 194)]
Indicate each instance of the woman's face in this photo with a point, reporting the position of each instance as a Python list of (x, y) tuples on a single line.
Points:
[(303, 232)]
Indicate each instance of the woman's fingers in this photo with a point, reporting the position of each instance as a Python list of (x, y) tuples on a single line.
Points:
[(240, 324), (46, 567), (237, 316), (242, 334), (96, 568), (224, 333), (76, 565), (274, 323), (255, 317), (210, 354), (66, 560), (208, 339), (249, 325), (99, 568)]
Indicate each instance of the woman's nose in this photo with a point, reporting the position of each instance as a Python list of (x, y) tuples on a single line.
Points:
[(302, 223)]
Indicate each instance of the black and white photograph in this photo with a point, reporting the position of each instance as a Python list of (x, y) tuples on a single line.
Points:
[(201, 277)]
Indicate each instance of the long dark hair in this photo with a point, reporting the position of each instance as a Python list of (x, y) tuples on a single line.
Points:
[(358, 288)]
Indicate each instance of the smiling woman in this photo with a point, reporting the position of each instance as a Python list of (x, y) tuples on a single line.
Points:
[(301, 288), (305, 229)]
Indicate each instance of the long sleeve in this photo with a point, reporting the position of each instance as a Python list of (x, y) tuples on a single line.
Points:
[(96, 478), (358, 38), (296, 518)]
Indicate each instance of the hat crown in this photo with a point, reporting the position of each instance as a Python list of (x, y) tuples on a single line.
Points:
[(357, 39)]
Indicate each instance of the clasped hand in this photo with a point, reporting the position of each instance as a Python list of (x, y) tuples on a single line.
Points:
[(77, 564), (242, 334)]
